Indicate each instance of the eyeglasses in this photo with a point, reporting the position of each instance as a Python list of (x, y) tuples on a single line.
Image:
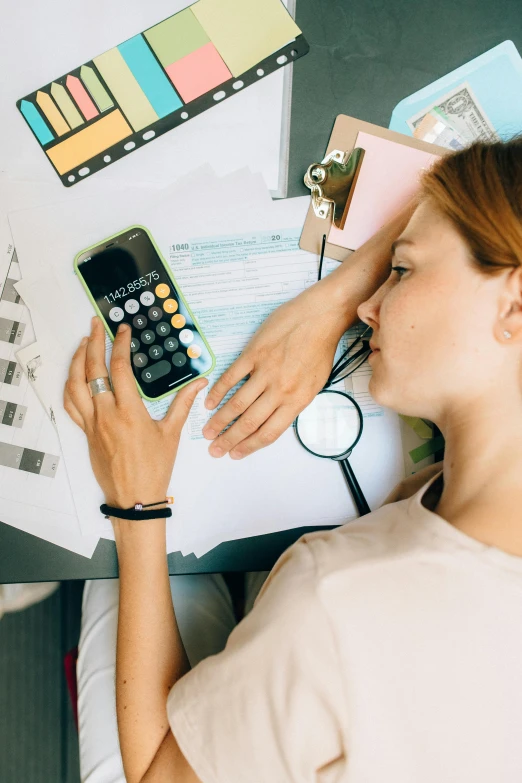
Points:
[(331, 426)]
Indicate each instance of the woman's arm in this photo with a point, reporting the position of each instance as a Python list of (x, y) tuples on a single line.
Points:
[(290, 357), (132, 458)]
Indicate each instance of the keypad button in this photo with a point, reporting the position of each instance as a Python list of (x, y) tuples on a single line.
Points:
[(162, 290), (116, 314), (163, 329), (186, 337), (140, 360), (132, 306), (147, 298), (179, 359), (155, 352), (156, 371), (170, 305), (171, 344), (148, 336), (135, 344), (155, 313), (139, 321), (178, 321), (194, 351)]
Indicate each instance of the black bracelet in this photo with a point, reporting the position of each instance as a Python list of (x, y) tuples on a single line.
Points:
[(137, 513)]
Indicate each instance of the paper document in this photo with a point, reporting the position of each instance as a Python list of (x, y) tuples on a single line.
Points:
[(230, 290), (388, 179)]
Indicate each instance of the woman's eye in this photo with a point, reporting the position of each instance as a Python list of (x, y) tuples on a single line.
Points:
[(399, 269)]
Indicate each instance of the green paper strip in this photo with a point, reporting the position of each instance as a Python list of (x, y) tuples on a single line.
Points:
[(419, 426), (427, 449)]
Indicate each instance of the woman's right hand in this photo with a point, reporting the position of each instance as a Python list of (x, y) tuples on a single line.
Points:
[(287, 363)]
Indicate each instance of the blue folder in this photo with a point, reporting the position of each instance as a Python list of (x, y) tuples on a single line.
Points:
[(496, 80)]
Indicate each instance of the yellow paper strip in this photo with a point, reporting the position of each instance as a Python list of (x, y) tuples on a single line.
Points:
[(89, 142), (121, 82), (245, 31), (47, 105), (65, 104), (419, 426)]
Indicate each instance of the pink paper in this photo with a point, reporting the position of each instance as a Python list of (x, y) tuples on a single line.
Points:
[(198, 72), (388, 179)]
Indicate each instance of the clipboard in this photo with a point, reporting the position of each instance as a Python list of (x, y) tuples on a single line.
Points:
[(343, 163)]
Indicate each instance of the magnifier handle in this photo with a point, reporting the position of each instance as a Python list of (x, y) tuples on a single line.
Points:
[(358, 495)]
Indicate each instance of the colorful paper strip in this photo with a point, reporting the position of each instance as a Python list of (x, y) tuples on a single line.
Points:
[(66, 106), (198, 72), (47, 105), (96, 88), (149, 75), (176, 37), (35, 120), (90, 141), (121, 82), (80, 95)]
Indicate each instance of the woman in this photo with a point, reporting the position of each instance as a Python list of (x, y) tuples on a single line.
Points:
[(388, 649)]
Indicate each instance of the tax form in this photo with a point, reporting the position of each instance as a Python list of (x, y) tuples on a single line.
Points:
[(234, 282)]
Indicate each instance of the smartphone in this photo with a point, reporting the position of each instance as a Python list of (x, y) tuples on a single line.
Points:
[(127, 280)]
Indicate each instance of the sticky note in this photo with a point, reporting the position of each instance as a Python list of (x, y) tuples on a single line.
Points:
[(121, 82), (245, 31), (89, 142), (427, 449), (176, 37)]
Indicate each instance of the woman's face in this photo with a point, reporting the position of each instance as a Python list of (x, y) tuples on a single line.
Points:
[(434, 323)]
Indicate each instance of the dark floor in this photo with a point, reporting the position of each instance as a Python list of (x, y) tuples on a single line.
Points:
[(38, 738)]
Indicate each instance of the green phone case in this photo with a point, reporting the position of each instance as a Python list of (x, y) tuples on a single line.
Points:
[(169, 273)]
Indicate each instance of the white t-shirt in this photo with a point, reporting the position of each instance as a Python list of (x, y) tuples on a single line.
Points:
[(386, 651)]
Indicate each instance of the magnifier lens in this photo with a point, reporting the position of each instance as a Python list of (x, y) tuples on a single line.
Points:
[(330, 425)]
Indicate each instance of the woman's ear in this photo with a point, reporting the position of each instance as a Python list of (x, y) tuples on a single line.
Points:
[(509, 322)]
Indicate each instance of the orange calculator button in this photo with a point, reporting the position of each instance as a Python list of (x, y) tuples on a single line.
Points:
[(178, 321), (194, 351), (162, 290), (170, 305)]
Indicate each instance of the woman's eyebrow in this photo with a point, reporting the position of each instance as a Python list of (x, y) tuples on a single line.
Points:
[(398, 243)]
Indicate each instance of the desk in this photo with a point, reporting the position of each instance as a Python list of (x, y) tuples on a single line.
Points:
[(365, 55)]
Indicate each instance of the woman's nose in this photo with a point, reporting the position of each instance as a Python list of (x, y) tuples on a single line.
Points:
[(368, 311)]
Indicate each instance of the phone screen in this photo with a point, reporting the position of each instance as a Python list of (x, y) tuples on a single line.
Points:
[(128, 281)]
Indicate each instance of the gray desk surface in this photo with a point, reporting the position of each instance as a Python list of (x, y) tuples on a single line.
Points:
[(365, 56)]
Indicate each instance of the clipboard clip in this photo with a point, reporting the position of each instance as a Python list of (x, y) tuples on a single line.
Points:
[(332, 183)]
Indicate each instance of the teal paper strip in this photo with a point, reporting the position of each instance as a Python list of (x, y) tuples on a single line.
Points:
[(35, 120), (149, 75)]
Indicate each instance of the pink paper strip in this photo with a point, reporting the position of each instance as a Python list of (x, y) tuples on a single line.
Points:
[(78, 92), (198, 72), (389, 177)]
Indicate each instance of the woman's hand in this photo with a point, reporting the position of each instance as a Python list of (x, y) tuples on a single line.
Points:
[(132, 455), (288, 362)]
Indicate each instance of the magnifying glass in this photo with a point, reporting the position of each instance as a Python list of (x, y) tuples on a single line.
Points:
[(330, 427)]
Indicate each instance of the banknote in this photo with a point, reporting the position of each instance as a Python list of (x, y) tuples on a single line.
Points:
[(463, 111), (436, 128)]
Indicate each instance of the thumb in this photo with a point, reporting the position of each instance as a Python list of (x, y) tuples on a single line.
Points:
[(180, 408)]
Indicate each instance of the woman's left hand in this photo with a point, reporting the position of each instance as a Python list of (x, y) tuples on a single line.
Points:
[(132, 455)]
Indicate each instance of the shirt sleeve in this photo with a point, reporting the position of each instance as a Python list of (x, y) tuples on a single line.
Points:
[(269, 707)]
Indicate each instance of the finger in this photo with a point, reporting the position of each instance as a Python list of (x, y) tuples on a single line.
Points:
[(180, 407), (122, 378), (234, 407), (76, 385), (251, 420), (235, 373), (271, 430), (72, 410), (95, 366)]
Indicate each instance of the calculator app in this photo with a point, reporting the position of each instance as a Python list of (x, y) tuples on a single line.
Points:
[(128, 281)]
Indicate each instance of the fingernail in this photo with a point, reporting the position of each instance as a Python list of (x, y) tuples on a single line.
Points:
[(209, 405), (209, 433), (215, 451), (236, 455), (122, 328), (94, 321), (84, 341)]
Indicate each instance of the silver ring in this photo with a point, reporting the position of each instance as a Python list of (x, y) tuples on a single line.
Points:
[(99, 386)]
